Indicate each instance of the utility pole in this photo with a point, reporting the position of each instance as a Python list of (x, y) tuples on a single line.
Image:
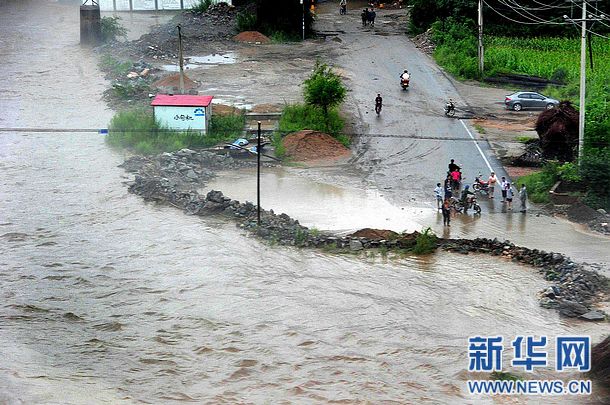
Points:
[(583, 71), (303, 13), (583, 74), (258, 176), (181, 60), (480, 48)]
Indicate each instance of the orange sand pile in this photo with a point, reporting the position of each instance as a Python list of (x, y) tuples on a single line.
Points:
[(252, 37), (313, 145)]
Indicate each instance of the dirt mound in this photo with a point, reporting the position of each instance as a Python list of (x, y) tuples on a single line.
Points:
[(580, 212), (375, 234), (173, 80), (313, 145), (252, 37)]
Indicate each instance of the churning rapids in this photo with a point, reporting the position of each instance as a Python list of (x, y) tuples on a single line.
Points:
[(107, 299)]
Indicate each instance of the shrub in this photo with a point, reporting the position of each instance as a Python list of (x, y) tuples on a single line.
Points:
[(539, 184), (278, 145), (594, 169), (201, 6), (324, 89), (426, 242), (246, 21), (112, 29), (113, 66), (297, 117)]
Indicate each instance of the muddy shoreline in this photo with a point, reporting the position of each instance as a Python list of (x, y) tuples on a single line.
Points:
[(171, 178)]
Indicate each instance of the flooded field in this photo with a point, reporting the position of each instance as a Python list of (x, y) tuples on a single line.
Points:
[(107, 299)]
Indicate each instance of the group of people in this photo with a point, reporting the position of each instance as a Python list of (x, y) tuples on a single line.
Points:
[(443, 193), (368, 17)]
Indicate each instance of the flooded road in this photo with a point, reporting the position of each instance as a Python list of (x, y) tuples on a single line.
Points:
[(107, 299)]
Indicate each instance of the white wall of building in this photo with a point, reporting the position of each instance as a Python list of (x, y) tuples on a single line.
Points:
[(148, 5)]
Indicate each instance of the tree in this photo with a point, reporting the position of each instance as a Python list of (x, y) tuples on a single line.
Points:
[(324, 89)]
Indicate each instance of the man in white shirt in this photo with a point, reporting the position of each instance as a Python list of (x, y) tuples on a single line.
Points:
[(504, 185)]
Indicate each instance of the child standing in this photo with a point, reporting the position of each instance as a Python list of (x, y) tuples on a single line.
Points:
[(438, 193)]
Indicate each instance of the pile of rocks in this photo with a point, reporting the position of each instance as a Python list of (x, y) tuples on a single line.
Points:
[(424, 42), (575, 289)]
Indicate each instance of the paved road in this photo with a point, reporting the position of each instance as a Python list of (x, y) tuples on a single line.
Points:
[(391, 150)]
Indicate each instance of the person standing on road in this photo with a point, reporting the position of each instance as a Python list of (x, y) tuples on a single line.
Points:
[(446, 210), (509, 196), (503, 187), (523, 197), (371, 17), (448, 187), (438, 193), (491, 184), (365, 16), (343, 7)]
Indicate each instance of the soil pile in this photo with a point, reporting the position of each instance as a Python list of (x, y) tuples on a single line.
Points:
[(252, 37), (378, 234), (173, 81), (313, 145)]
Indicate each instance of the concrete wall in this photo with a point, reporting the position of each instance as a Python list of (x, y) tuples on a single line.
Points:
[(149, 5)]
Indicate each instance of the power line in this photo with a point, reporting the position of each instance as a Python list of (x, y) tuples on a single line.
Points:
[(283, 133)]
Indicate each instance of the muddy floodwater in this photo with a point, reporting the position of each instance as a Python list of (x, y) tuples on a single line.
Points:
[(107, 299)]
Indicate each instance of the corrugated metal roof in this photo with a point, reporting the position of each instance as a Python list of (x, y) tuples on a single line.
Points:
[(181, 100)]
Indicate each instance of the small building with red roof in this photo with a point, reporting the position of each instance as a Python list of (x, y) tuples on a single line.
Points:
[(183, 111)]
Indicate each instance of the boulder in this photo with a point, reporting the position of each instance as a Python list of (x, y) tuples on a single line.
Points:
[(572, 309), (593, 316)]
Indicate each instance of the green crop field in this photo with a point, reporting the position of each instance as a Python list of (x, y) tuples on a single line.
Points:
[(557, 58)]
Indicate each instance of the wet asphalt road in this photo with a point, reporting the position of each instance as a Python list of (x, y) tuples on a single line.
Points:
[(396, 150)]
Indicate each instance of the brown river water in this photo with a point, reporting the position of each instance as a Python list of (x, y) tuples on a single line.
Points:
[(107, 299)]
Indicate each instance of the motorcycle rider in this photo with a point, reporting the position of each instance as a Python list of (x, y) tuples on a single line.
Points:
[(405, 77), (450, 105), (378, 102), (452, 166), (464, 197)]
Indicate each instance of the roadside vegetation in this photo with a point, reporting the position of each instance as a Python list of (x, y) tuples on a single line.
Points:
[(323, 92), (425, 243), (137, 130), (112, 29), (539, 184), (548, 51), (201, 6)]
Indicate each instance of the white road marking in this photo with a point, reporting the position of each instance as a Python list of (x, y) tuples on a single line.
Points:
[(477, 145)]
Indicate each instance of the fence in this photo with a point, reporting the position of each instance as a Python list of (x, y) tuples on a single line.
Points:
[(149, 5)]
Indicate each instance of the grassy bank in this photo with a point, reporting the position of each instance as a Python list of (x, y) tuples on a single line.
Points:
[(137, 130), (296, 117)]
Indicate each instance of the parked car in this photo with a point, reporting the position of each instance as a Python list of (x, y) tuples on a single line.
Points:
[(527, 99)]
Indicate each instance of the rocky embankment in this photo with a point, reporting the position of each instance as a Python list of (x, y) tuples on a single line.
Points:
[(574, 291), (172, 178)]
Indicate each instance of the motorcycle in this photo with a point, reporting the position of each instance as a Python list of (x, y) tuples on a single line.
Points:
[(471, 202), (449, 109), (404, 82), (377, 108), (479, 185)]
